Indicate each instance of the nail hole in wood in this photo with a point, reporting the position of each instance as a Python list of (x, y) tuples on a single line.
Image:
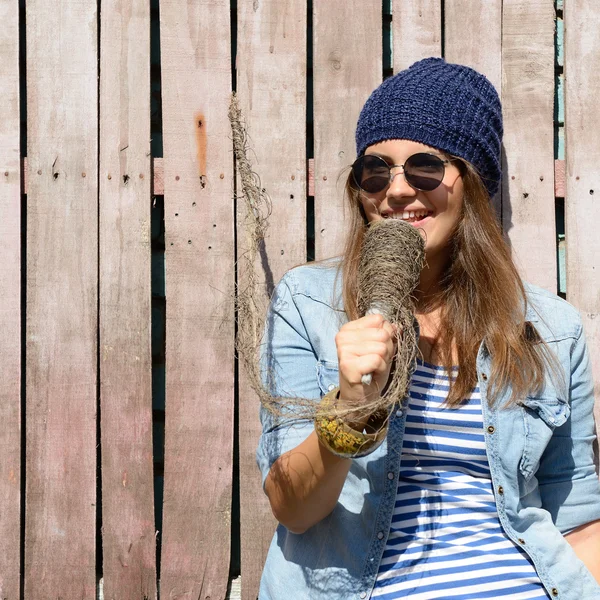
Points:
[(525, 195), (126, 179)]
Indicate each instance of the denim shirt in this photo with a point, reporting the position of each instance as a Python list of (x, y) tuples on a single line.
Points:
[(540, 451)]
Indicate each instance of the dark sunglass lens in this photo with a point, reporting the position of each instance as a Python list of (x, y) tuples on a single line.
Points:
[(371, 173), (424, 171)]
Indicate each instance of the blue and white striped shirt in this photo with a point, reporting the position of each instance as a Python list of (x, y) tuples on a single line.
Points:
[(446, 540)]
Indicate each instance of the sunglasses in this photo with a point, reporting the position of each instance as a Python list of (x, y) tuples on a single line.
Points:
[(422, 171)]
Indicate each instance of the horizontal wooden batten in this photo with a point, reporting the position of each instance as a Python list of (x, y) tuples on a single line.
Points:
[(159, 180)]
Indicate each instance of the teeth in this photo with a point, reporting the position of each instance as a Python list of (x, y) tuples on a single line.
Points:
[(409, 215)]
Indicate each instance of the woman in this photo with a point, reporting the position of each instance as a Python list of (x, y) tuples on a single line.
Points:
[(484, 485)]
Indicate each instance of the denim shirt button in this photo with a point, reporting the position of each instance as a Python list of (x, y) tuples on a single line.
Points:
[(554, 592), (399, 412), (484, 376), (363, 594), (521, 541), (331, 387), (500, 490), (491, 429), (390, 476), (380, 535)]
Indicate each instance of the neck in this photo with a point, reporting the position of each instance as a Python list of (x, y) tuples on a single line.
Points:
[(427, 292)]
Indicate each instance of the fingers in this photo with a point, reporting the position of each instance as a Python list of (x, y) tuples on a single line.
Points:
[(364, 346)]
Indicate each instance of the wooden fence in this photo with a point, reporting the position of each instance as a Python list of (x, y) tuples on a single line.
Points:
[(80, 291)]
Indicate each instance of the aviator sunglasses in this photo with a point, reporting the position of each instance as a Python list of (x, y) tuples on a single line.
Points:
[(422, 171)]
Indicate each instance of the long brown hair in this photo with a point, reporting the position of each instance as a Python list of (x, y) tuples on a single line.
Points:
[(482, 299)]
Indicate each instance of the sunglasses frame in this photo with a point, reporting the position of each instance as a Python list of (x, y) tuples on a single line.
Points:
[(443, 161)]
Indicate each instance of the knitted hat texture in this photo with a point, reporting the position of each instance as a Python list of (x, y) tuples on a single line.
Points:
[(450, 107)]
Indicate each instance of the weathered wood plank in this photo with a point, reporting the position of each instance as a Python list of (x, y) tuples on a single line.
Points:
[(416, 31), (128, 532), (347, 59), (198, 163), (528, 97), (582, 118), (271, 85), (473, 37), (10, 303), (62, 292)]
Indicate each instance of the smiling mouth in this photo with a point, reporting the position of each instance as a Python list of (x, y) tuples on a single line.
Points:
[(410, 216)]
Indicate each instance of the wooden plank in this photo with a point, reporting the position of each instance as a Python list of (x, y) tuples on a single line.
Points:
[(582, 118), (10, 303), (62, 284), (528, 100), (416, 31), (473, 37), (128, 531), (198, 165), (347, 59), (271, 86)]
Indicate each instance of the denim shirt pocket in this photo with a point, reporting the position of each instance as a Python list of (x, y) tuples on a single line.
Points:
[(542, 414), (328, 376)]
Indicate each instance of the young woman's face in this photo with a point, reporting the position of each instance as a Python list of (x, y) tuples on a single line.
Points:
[(436, 212)]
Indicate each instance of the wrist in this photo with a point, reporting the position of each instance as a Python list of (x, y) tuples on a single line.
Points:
[(350, 435)]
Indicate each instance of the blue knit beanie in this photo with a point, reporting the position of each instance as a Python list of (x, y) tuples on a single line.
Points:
[(450, 107)]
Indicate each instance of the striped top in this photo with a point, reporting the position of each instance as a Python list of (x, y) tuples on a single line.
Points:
[(445, 539)]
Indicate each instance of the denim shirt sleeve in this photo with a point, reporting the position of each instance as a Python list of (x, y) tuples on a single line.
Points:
[(568, 482), (289, 367)]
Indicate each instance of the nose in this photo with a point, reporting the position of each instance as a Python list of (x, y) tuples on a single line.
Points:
[(399, 187)]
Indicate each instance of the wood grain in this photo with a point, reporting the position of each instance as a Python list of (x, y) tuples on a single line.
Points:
[(10, 303), (199, 218), (128, 540), (416, 31), (62, 296), (347, 59), (582, 116), (527, 96), (473, 37), (271, 87)]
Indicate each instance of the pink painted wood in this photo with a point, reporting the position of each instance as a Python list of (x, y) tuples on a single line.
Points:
[(128, 530), (10, 303), (347, 68), (62, 297), (199, 218), (582, 115), (271, 87), (416, 31), (527, 96)]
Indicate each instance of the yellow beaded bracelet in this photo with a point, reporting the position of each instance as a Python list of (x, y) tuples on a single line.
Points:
[(339, 438)]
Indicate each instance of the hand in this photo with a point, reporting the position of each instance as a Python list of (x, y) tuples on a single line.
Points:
[(366, 345)]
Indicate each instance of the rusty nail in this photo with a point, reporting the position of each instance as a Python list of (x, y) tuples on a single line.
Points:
[(141, 176), (176, 177), (5, 173), (39, 172), (109, 176), (83, 174), (324, 177), (222, 175), (293, 177)]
